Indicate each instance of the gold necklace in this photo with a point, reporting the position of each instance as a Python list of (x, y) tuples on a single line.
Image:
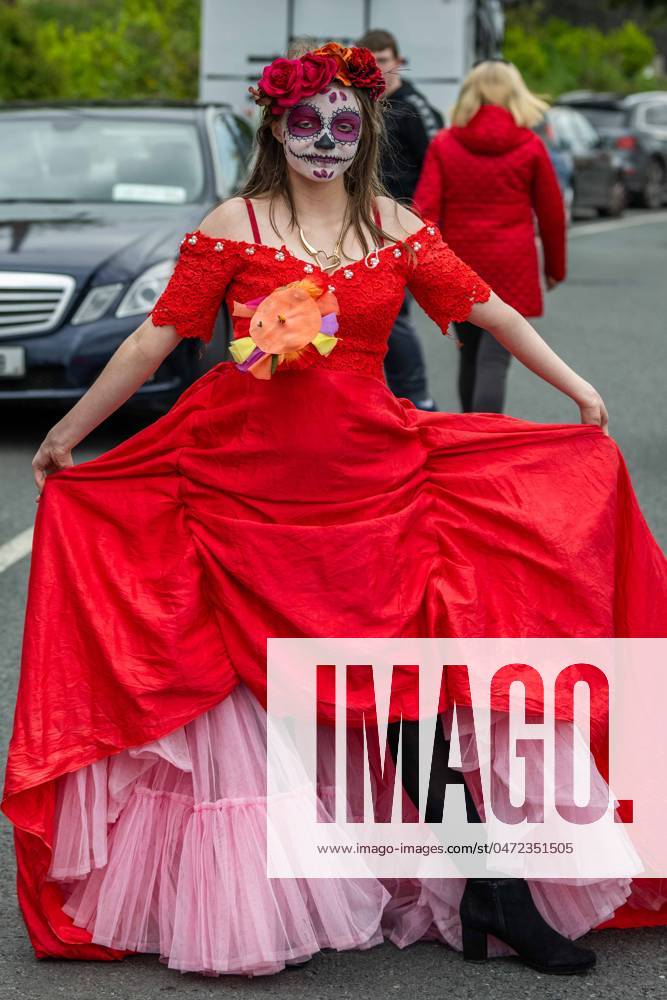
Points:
[(325, 261)]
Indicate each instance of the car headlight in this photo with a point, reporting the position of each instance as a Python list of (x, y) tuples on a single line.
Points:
[(145, 290), (96, 303)]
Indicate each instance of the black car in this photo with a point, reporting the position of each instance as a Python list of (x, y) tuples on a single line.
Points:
[(94, 201), (635, 126), (593, 175)]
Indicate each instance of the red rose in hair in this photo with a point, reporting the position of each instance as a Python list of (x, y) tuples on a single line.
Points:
[(363, 71), (281, 81), (318, 71)]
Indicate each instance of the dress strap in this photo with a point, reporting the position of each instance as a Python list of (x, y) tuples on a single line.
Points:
[(378, 220), (253, 220)]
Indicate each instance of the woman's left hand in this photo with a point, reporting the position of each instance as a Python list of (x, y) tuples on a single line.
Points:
[(593, 410)]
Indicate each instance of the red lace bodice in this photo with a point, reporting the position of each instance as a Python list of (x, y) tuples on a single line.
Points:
[(210, 269)]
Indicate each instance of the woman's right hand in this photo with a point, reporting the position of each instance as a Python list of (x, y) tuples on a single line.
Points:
[(51, 455)]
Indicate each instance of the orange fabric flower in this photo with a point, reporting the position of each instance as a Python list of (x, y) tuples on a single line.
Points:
[(283, 324)]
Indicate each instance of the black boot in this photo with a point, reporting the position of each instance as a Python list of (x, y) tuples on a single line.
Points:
[(504, 907)]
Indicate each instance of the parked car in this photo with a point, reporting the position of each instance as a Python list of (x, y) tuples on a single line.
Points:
[(595, 174), (563, 164), (636, 127), (94, 201)]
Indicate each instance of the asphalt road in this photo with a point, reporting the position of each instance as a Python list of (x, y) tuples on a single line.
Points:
[(609, 323)]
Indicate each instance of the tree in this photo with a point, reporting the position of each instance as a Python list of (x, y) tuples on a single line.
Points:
[(554, 56), (23, 74), (128, 49)]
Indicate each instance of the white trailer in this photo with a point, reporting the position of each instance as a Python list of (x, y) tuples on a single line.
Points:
[(441, 39)]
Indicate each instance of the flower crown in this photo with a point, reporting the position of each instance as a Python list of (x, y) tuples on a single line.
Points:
[(285, 82)]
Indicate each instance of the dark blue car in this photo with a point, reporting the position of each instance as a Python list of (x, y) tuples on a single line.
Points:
[(94, 201)]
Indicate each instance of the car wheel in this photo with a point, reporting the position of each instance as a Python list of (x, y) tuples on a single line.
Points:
[(616, 200), (652, 193)]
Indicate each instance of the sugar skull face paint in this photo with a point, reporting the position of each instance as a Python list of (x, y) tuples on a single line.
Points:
[(321, 134)]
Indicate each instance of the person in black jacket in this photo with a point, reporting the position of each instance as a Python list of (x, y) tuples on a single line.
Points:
[(411, 123)]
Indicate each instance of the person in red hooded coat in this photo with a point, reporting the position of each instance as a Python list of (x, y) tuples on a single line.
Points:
[(484, 181)]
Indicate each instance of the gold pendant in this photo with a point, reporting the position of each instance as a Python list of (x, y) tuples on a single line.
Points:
[(325, 261)]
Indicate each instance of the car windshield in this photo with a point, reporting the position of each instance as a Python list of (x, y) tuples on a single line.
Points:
[(79, 157), (604, 117)]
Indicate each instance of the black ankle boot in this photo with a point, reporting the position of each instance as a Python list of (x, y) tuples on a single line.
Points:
[(504, 907)]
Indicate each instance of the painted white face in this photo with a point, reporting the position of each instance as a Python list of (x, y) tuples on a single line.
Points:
[(321, 134)]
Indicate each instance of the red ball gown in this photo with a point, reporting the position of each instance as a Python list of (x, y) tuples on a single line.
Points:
[(311, 503)]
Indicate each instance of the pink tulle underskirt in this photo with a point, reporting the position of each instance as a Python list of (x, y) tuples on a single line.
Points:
[(162, 849)]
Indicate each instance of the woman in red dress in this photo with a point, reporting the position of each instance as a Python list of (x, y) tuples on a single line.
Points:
[(485, 181), (288, 493)]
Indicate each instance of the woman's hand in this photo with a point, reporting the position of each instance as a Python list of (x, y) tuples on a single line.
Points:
[(551, 282), (51, 455), (593, 410)]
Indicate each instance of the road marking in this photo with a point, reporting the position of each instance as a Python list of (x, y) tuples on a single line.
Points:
[(15, 549), (593, 228)]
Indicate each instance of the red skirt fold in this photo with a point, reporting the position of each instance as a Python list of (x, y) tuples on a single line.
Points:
[(313, 504)]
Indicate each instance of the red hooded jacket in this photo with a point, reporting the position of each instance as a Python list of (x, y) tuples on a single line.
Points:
[(482, 183)]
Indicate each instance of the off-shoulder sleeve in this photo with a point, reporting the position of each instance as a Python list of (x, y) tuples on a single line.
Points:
[(194, 293), (444, 286)]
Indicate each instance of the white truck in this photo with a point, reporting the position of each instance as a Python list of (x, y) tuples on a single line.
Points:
[(441, 39)]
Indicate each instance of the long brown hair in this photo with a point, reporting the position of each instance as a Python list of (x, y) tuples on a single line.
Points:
[(269, 173)]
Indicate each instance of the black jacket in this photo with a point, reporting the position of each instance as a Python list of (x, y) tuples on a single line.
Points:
[(411, 123)]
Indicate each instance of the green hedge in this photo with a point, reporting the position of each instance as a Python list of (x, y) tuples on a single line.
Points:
[(130, 49), (555, 57)]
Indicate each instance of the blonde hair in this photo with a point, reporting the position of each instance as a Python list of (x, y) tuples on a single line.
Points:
[(500, 83)]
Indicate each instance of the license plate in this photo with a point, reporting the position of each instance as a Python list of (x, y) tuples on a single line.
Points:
[(12, 362)]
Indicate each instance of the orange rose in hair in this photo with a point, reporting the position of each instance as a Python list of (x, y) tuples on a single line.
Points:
[(341, 55)]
